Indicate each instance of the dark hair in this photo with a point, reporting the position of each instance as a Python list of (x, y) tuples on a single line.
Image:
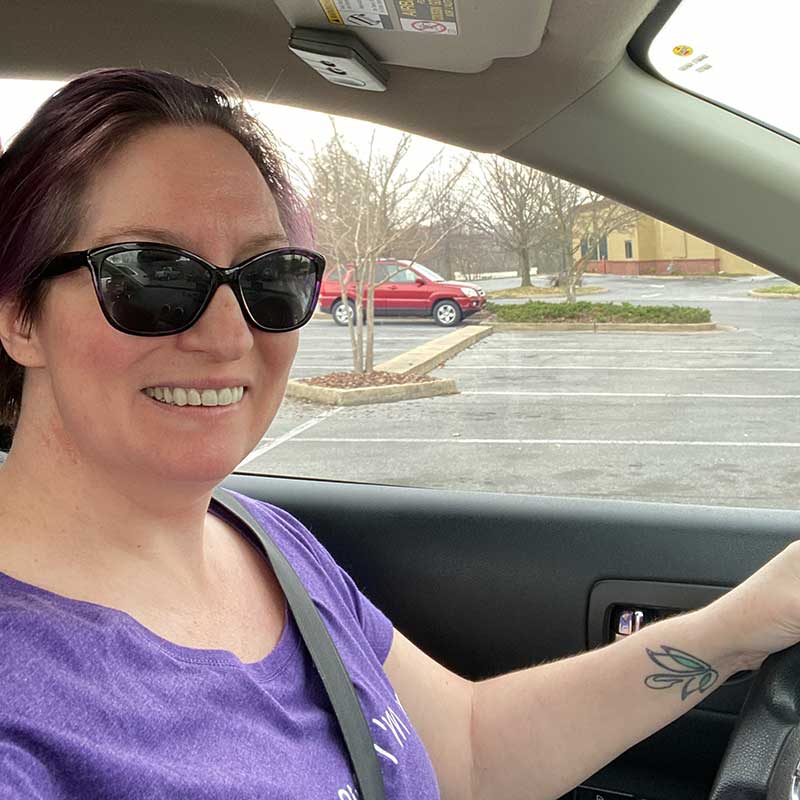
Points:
[(45, 173)]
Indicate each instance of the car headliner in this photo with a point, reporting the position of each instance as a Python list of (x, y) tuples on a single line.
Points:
[(577, 106)]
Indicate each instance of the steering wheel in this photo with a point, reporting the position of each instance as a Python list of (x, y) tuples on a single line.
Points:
[(762, 761)]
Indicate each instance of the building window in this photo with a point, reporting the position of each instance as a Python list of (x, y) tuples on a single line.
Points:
[(600, 250), (628, 248)]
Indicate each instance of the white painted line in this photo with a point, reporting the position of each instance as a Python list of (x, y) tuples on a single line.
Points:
[(502, 349), (654, 294), (344, 353), (266, 445), (636, 369), (712, 299), (328, 339), (656, 442), (698, 395)]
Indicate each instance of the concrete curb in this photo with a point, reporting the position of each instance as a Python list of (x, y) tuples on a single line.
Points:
[(370, 394), (598, 327), (598, 290), (421, 360), (773, 295)]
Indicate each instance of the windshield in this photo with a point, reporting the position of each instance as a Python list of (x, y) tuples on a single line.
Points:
[(616, 357), (428, 273)]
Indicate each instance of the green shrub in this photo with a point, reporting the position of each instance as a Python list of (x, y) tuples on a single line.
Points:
[(585, 311)]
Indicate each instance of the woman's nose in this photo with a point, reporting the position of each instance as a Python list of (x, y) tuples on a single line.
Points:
[(221, 329)]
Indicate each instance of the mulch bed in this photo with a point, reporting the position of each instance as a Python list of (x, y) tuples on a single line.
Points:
[(354, 380)]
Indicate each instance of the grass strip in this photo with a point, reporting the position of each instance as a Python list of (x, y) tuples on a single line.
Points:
[(778, 290)]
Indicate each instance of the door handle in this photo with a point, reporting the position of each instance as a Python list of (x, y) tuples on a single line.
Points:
[(631, 620)]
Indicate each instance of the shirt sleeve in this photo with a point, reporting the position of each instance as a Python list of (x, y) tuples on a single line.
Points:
[(377, 627)]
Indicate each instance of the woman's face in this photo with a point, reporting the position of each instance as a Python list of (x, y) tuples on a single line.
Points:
[(197, 189)]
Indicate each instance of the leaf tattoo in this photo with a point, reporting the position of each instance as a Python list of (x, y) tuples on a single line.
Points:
[(681, 668)]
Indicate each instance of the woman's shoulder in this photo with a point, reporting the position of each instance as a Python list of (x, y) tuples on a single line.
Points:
[(38, 624), (29, 634), (286, 530)]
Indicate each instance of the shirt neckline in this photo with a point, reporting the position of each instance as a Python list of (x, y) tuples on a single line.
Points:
[(269, 667)]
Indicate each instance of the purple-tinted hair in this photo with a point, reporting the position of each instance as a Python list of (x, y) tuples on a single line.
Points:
[(45, 173)]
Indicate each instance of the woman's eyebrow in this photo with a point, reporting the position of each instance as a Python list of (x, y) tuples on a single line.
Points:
[(261, 241), (264, 241)]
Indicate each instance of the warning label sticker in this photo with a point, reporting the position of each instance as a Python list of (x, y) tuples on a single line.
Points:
[(331, 12), (358, 13), (428, 16)]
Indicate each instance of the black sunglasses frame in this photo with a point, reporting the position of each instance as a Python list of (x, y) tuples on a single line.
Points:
[(93, 258)]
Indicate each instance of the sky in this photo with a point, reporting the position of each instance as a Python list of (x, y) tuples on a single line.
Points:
[(19, 99)]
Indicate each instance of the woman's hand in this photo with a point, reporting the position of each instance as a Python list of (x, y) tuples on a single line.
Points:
[(762, 615)]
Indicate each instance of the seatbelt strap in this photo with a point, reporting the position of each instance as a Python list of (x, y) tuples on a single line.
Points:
[(324, 654)]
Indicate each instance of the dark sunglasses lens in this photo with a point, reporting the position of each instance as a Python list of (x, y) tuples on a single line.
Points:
[(280, 289), (152, 291)]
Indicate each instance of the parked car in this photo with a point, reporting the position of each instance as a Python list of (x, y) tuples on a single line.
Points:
[(403, 289)]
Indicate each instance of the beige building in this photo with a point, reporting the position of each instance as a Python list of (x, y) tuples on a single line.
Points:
[(653, 247)]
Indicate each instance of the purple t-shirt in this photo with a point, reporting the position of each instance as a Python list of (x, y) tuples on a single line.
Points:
[(95, 705)]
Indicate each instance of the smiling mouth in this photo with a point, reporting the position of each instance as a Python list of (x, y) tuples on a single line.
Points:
[(209, 398)]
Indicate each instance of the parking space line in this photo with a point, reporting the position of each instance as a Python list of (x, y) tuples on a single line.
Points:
[(268, 444), (610, 351), (698, 395), (620, 369), (615, 442)]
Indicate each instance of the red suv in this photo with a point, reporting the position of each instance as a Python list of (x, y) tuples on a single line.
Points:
[(404, 289)]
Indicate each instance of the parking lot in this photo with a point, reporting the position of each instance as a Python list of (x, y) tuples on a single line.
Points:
[(707, 418)]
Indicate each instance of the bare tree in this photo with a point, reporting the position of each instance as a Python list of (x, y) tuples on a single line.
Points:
[(364, 204), (511, 208), (578, 221)]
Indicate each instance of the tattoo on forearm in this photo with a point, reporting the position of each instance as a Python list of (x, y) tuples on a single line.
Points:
[(693, 673)]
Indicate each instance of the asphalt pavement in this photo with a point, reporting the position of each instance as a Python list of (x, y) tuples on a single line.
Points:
[(705, 418)]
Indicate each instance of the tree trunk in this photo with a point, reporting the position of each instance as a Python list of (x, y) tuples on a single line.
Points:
[(525, 266), (570, 277), (357, 320), (352, 330), (369, 355)]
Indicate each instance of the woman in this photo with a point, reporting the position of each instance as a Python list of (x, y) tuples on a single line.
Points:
[(152, 283)]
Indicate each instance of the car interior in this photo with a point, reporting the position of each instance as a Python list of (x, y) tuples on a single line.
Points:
[(487, 583)]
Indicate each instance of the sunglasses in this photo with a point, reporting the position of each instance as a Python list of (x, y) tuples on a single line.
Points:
[(159, 290)]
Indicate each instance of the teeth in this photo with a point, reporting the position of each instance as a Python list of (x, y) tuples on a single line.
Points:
[(196, 397)]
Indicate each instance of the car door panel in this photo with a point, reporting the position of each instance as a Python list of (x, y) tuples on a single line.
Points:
[(488, 583), (406, 297)]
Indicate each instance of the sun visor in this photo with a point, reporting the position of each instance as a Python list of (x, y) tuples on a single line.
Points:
[(430, 34)]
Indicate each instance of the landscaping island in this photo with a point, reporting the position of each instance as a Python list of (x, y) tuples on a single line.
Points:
[(585, 311)]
